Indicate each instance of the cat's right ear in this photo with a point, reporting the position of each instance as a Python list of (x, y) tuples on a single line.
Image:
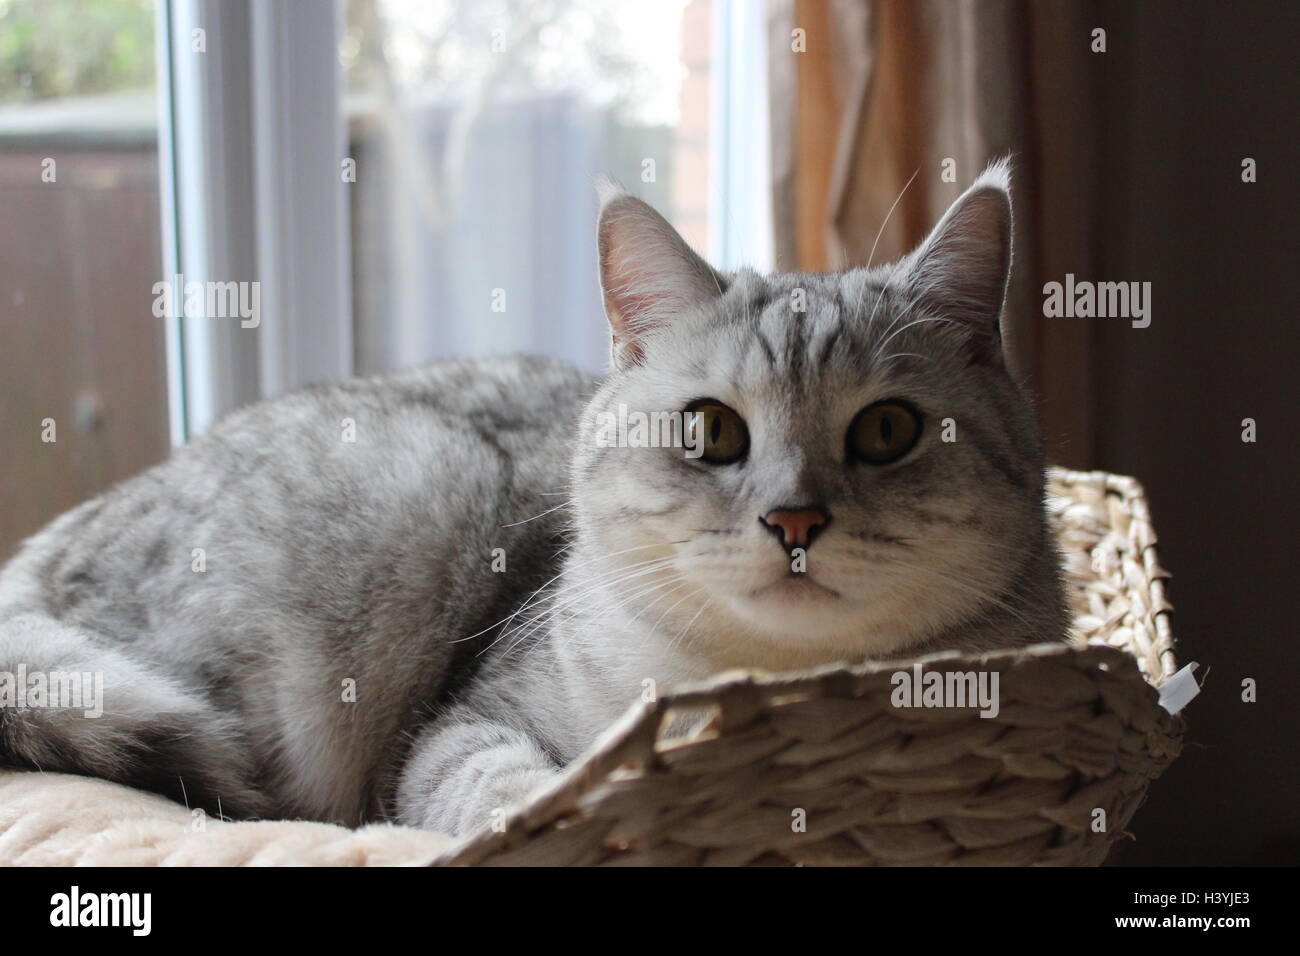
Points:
[(648, 273)]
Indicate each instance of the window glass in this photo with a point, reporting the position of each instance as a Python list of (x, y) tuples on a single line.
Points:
[(479, 130), (82, 358)]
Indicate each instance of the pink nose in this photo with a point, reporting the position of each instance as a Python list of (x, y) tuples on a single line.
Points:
[(796, 527)]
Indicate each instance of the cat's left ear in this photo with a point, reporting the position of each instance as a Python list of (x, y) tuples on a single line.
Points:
[(649, 275), (961, 269)]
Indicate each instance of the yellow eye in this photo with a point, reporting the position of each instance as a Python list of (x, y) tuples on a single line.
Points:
[(717, 431), (884, 432)]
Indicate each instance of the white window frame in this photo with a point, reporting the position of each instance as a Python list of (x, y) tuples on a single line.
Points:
[(251, 145), (740, 155)]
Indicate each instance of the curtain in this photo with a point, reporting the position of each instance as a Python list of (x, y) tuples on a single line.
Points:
[(871, 94)]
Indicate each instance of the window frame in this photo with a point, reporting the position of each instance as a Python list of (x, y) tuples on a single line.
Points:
[(740, 154), (251, 145)]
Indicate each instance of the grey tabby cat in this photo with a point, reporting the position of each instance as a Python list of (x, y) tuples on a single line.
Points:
[(350, 647)]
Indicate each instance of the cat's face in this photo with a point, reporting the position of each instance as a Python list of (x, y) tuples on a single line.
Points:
[(863, 469)]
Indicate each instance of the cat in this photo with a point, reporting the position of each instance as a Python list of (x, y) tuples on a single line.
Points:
[(428, 622)]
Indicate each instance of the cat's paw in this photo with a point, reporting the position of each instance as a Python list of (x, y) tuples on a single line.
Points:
[(517, 787), (502, 794)]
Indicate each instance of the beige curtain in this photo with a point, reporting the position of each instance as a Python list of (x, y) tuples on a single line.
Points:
[(867, 93)]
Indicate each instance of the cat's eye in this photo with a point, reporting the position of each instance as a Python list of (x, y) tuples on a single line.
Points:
[(715, 429), (884, 432)]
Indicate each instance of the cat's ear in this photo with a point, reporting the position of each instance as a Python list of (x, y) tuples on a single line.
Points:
[(648, 273), (961, 269)]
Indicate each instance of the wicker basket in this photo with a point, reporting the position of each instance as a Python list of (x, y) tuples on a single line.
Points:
[(820, 768)]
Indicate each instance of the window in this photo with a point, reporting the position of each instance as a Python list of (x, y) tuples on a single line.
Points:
[(479, 131), (83, 378)]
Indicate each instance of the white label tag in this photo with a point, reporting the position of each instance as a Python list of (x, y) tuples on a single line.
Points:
[(1176, 692)]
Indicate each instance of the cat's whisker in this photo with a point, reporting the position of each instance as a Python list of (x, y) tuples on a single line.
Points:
[(626, 599), (677, 581), (655, 629), (703, 607), (515, 524), (978, 589), (915, 322), (592, 621), (546, 617), (893, 323), (530, 602), (602, 578), (898, 355), (637, 615), (889, 215), (585, 589), (589, 623), (915, 542), (876, 242)]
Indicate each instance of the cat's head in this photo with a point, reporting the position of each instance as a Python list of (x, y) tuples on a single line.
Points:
[(862, 472)]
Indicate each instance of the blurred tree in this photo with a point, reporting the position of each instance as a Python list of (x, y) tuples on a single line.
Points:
[(467, 50), (51, 48)]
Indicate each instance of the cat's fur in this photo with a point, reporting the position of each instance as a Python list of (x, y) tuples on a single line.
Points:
[(329, 562)]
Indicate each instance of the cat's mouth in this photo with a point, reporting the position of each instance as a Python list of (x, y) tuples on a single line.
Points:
[(794, 587)]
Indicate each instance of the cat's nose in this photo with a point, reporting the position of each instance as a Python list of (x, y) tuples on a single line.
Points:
[(796, 527)]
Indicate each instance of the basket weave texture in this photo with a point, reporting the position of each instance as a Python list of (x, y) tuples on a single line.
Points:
[(819, 767)]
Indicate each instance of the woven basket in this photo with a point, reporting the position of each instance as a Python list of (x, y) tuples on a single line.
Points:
[(819, 768)]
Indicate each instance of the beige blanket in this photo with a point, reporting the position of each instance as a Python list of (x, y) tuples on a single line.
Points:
[(51, 819)]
